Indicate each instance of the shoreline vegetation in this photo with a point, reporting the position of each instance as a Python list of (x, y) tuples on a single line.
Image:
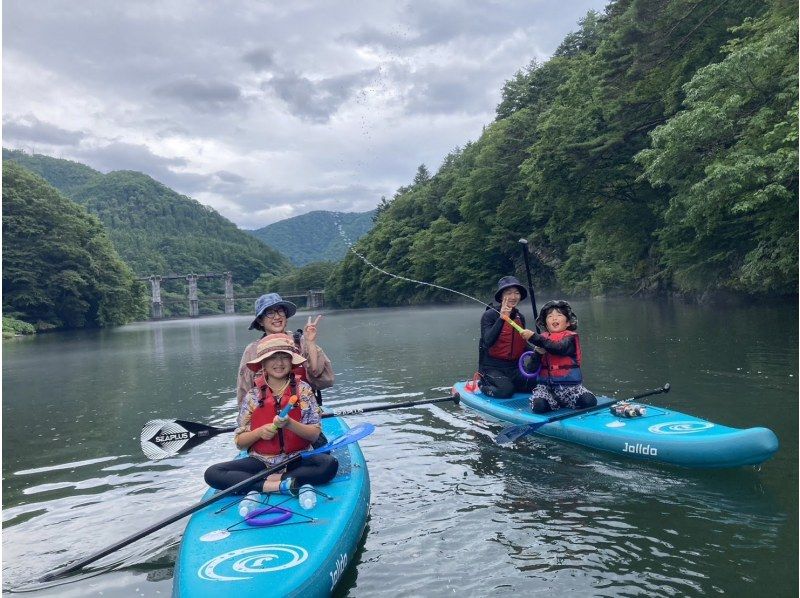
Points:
[(654, 155), (13, 328)]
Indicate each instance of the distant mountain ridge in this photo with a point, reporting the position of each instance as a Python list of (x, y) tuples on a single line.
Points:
[(316, 236), (154, 229)]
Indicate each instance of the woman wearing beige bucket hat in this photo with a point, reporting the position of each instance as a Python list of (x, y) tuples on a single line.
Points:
[(269, 438)]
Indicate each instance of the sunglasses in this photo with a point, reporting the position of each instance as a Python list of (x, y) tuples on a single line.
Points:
[(272, 313)]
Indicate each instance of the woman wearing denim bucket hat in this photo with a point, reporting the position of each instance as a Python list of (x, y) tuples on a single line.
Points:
[(271, 316), (500, 345)]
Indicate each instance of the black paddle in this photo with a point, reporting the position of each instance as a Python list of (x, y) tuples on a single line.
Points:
[(513, 433), (524, 243), (352, 435), (163, 438)]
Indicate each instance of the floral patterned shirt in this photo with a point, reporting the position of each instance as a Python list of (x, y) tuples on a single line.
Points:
[(309, 414)]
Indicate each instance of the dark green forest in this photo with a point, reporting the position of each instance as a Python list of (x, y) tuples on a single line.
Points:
[(155, 231), (310, 276), (64, 175), (60, 269), (316, 236), (158, 231), (654, 153)]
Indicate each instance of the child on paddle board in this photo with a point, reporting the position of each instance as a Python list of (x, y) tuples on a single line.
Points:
[(269, 438), (558, 356), (501, 345)]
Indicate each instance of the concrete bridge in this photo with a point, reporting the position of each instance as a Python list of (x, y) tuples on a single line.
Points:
[(315, 298)]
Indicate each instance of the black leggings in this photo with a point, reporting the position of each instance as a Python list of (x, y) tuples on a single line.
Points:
[(501, 383), (316, 469)]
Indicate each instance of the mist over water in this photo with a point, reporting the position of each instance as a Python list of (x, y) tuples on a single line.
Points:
[(451, 511)]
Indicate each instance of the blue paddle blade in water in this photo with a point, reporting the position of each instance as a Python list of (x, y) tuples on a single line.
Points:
[(512, 433), (352, 435)]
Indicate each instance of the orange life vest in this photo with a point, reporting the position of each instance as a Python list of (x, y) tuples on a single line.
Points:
[(285, 441), (561, 369), (509, 345)]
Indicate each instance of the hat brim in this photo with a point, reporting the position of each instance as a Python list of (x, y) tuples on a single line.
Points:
[(498, 296), (288, 306), (255, 365)]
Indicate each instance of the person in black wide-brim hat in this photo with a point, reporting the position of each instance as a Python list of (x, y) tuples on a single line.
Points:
[(500, 345)]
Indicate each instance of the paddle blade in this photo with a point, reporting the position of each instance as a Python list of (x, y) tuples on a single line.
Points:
[(352, 435), (162, 438), (512, 433)]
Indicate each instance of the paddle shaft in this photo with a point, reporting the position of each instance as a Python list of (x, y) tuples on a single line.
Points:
[(524, 243), (203, 432), (577, 412), (359, 410), (512, 433), (164, 523)]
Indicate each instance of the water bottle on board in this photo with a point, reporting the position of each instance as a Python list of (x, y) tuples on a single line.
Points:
[(307, 497), (249, 503)]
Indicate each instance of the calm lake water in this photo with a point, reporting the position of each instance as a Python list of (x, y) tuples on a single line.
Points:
[(452, 513)]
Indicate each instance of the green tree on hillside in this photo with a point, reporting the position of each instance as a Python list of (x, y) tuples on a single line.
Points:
[(158, 231), (730, 159), (59, 267), (709, 203)]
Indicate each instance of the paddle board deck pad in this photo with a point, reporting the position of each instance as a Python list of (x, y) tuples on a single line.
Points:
[(660, 435), (303, 555)]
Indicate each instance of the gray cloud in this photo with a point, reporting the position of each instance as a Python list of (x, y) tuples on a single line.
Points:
[(203, 95), (436, 90), (229, 177), (317, 101), (127, 156), (438, 23), (196, 95), (260, 59), (31, 129)]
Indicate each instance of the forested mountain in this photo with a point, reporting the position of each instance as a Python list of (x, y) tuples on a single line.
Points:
[(655, 152), (59, 268), (156, 230), (64, 175), (316, 236)]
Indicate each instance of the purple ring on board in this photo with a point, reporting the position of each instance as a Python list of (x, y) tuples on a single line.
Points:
[(522, 369), (255, 518)]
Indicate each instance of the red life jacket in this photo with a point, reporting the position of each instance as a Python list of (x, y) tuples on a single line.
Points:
[(285, 441), (561, 369), (509, 345)]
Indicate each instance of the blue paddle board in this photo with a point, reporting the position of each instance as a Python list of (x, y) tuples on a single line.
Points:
[(304, 555), (660, 435)]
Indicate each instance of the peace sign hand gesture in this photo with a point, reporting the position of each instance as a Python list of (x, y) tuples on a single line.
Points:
[(505, 309), (310, 331)]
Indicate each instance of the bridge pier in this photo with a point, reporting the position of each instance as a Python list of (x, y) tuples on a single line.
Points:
[(229, 309), (155, 287), (315, 299), (194, 304)]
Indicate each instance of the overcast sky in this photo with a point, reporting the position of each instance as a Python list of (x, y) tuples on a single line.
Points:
[(265, 110)]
